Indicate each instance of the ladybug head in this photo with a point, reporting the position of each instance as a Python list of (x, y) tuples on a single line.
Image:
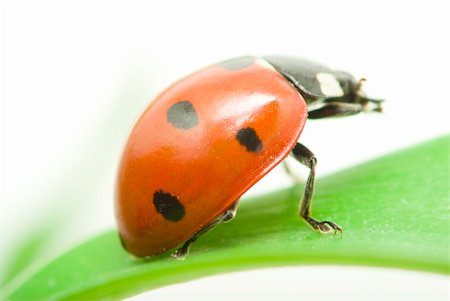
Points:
[(369, 104), (352, 92)]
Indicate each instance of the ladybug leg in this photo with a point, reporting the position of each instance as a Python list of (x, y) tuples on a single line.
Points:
[(224, 217), (289, 172), (307, 158), (336, 109)]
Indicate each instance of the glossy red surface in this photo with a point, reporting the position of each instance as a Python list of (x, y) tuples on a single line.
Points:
[(205, 166)]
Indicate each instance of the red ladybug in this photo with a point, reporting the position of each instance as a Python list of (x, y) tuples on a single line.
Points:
[(212, 135)]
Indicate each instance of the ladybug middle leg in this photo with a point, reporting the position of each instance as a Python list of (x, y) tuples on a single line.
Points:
[(307, 158), (224, 217)]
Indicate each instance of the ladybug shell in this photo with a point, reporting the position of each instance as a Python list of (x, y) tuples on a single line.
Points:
[(199, 146)]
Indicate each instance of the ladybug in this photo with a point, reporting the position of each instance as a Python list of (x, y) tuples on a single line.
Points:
[(212, 135)]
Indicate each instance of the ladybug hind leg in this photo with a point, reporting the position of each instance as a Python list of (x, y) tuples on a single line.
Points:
[(224, 217), (289, 172), (307, 158)]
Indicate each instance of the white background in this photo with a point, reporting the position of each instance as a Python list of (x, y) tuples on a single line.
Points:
[(75, 75)]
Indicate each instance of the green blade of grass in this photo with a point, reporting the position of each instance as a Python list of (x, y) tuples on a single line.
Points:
[(394, 211)]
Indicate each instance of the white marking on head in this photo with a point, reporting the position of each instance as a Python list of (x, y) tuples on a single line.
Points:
[(329, 85)]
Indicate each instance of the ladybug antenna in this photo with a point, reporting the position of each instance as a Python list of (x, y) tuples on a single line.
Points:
[(359, 84)]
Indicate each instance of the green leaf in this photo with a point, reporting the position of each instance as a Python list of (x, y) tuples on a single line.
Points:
[(394, 211)]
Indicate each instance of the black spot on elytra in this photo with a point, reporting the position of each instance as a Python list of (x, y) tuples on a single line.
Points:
[(237, 63), (168, 206), (182, 115), (248, 138)]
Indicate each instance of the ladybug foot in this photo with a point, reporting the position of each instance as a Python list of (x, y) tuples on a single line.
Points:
[(181, 253), (324, 227)]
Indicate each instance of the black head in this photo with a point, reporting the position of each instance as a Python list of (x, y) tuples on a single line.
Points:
[(353, 93)]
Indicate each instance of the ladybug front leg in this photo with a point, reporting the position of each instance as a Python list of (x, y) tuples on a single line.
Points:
[(224, 217), (336, 109), (307, 158)]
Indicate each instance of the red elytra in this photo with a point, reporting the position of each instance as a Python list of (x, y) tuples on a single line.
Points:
[(199, 146)]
